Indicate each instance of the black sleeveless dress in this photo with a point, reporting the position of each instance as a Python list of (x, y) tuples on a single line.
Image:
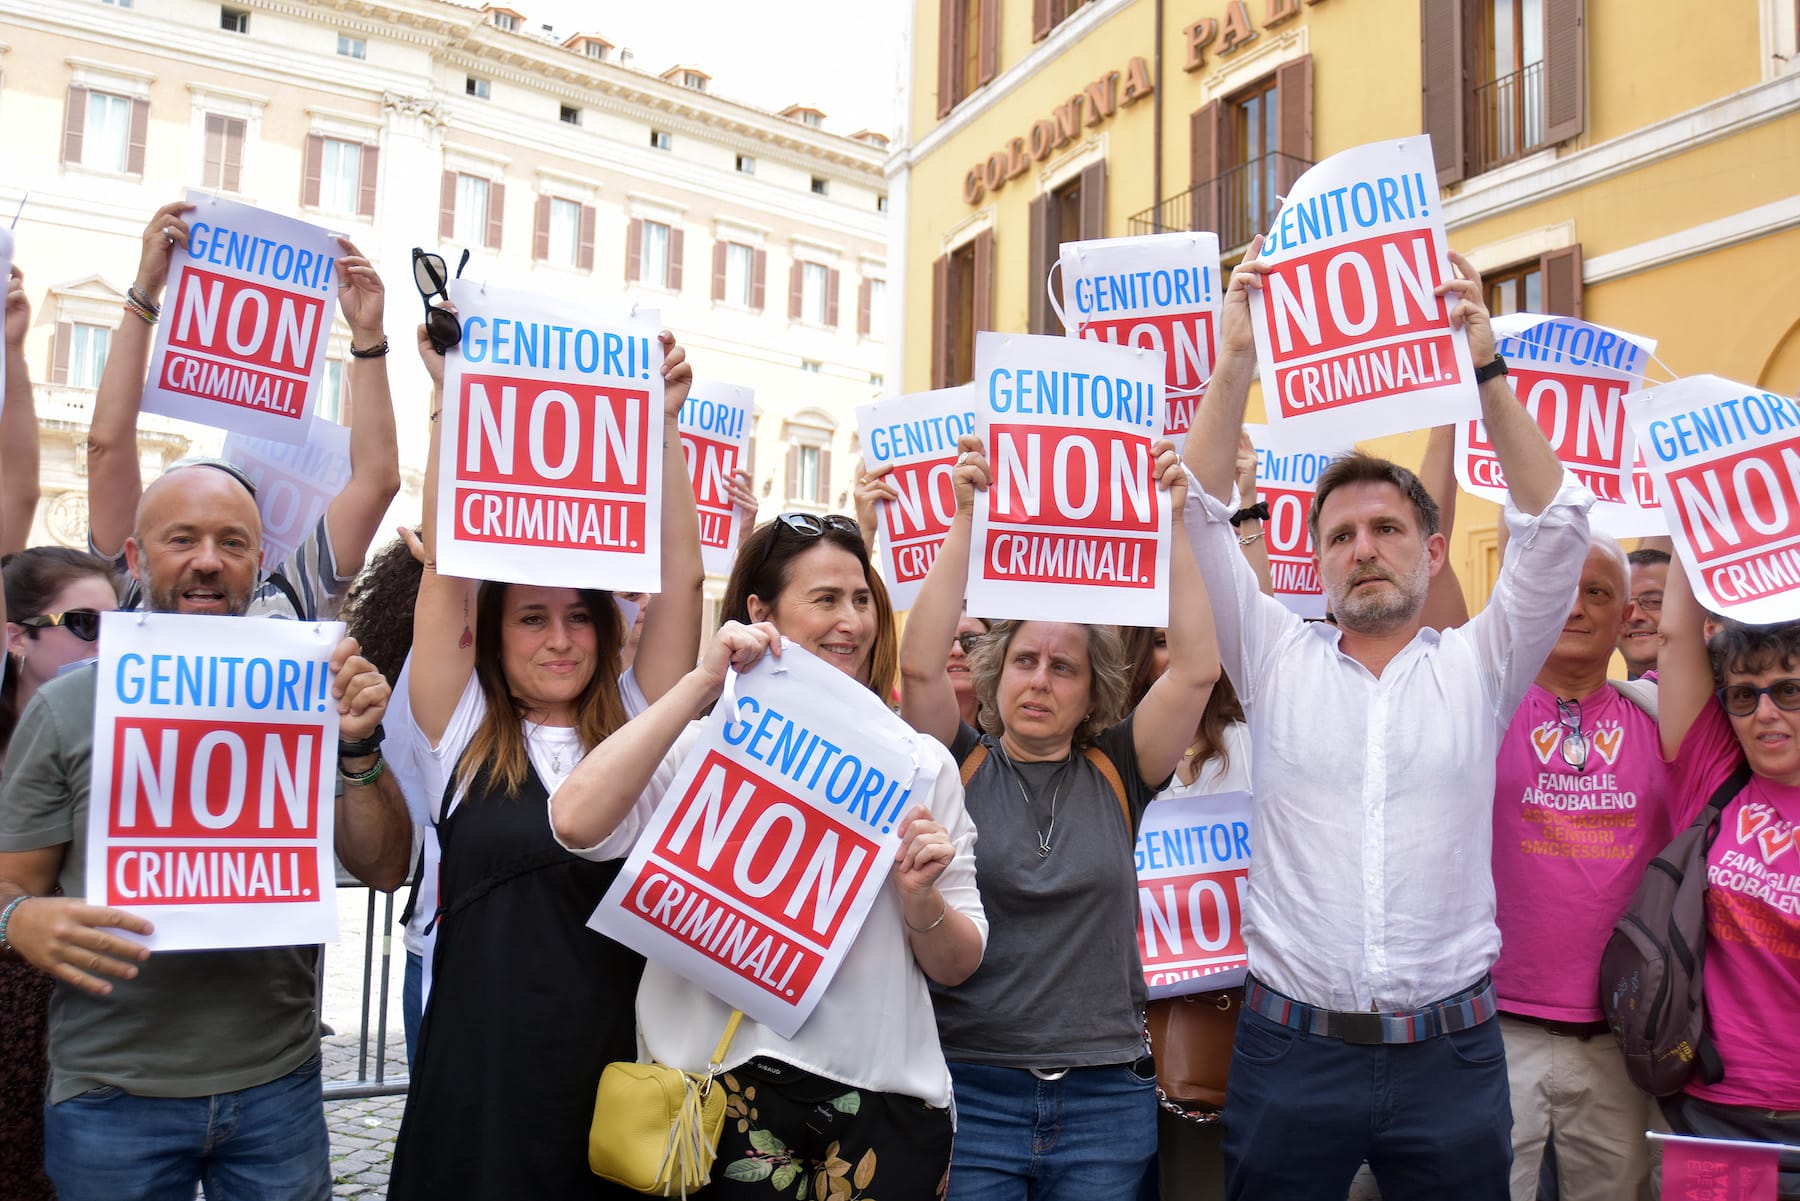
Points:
[(527, 1006)]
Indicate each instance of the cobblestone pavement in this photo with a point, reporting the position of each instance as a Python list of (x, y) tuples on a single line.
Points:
[(362, 1130)]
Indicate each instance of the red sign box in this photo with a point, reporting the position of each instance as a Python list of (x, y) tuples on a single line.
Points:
[(537, 519), (210, 874), (1191, 918), (537, 434), (247, 323), (1186, 338), (207, 779), (1054, 476)]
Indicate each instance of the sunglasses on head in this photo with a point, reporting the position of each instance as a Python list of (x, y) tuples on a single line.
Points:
[(83, 623), (1741, 700), (431, 275), (807, 525)]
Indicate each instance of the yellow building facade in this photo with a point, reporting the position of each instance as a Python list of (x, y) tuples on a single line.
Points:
[(1635, 164)]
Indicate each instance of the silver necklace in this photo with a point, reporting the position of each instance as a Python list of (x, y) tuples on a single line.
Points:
[(555, 752), (1043, 836)]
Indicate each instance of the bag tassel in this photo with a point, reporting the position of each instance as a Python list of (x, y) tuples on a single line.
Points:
[(688, 1154)]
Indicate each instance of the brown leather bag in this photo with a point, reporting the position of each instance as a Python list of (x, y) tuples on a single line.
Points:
[(1191, 1038)]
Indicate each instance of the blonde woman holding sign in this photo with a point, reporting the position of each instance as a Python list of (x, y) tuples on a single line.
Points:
[(861, 1092), (507, 687), (1050, 1028)]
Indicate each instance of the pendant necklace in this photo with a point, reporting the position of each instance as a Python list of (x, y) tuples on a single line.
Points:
[(1043, 836), (554, 751)]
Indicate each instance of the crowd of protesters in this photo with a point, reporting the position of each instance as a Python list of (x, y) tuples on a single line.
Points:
[(1451, 811)]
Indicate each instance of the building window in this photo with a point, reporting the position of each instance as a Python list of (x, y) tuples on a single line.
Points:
[(660, 140), (471, 209), (693, 79), (812, 293), (1550, 283), (331, 396), (507, 22), (106, 133), (872, 318), (968, 48), (881, 203), (746, 164), (87, 354), (655, 263), (475, 87), (234, 20), (820, 185), (340, 176), (1048, 14), (223, 163), (808, 456), (117, 3), (808, 482), (565, 232), (569, 115), (962, 301), (351, 47), (877, 380), (811, 366), (1518, 290), (1502, 79), (1074, 211), (739, 266), (812, 117), (594, 49), (1252, 189), (1509, 104)]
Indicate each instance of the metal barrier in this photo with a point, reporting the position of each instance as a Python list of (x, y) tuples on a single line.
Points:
[(375, 992)]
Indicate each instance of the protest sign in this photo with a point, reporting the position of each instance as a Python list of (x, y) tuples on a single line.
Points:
[(550, 465), (759, 866), (916, 436), (211, 795), (715, 438), (1073, 526), (294, 484), (1726, 460), (1160, 291), (1193, 867), (1351, 338), (6, 253), (1714, 1169), (1287, 475), (241, 345), (1572, 377)]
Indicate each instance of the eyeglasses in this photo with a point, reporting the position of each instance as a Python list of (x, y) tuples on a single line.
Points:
[(1574, 743), (808, 525), (1649, 602), (969, 642), (83, 623), (432, 277), (1741, 700)]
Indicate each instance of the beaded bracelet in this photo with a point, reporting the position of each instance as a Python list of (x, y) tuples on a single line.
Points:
[(6, 920), (364, 777), (132, 305)]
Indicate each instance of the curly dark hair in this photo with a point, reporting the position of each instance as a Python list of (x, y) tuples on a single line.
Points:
[(379, 607), (1751, 649)]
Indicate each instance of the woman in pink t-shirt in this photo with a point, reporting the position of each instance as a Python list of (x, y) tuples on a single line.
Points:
[(1734, 700)]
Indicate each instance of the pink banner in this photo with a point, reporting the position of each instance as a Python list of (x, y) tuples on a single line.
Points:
[(1698, 1169)]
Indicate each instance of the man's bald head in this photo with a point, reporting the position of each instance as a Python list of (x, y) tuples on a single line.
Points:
[(197, 542)]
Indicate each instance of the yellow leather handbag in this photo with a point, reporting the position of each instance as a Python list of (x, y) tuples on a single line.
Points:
[(656, 1128)]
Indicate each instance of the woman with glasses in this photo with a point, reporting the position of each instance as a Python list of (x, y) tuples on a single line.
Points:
[(54, 598), (861, 1087), (969, 633), (1722, 707), (1058, 776), (507, 686)]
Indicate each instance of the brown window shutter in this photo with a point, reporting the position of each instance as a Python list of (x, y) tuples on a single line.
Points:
[(1042, 253), (1565, 69), (987, 61), (825, 474), (1043, 19), (74, 123), (793, 472), (941, 333), (677, 240), (795, 272), (984, 282), (140, 135), (59, 359), (1445, 90), (584, 254), (213, 175), (831, 297), (759, 279), (1207, 137), (1562, 281), (1093, 201), (947, 56), (1293, 86), (446, 202), (718, 288), (233, 174), (863, 309), (315, 167), (634, 250), (496, 222), (365, 192), (540, 234)]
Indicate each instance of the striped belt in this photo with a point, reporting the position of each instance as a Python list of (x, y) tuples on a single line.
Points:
[(1471, 1007)]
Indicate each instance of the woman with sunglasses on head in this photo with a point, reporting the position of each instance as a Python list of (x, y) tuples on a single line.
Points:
[(862, 1085), (1062, 770), (507, 686), (1722, 707)]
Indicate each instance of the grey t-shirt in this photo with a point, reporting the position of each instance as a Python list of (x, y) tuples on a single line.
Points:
[(1061, 984), (193, 1023)]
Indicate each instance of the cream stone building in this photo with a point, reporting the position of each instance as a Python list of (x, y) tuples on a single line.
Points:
[(559, 162)]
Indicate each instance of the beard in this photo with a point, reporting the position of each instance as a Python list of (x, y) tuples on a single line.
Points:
[(1378, 612), (168, 600)]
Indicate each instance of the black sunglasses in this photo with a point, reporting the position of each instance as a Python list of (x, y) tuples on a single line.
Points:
[(431, 275), (969, 642), (83, 623), (809, 525), (1741, 700)]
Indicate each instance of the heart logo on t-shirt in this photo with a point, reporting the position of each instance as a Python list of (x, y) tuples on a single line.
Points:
[(1775, 841), (1545, 739), (1751, 818), (1607, 742)]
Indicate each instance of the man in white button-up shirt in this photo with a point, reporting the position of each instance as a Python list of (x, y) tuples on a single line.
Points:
[(1370, 919)]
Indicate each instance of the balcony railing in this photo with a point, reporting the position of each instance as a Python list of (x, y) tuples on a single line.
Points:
[(1509, 117), (1236, 204)]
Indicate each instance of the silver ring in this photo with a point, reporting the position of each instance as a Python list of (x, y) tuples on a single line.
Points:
[(168, 235)]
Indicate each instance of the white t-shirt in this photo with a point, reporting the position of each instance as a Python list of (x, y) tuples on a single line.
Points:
[(1216, 776), (874, 1027)]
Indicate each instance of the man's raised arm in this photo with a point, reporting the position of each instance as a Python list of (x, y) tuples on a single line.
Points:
[(1211, 449)]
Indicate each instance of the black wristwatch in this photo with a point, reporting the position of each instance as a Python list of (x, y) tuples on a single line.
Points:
[(1256, 512), (363, 746), (1495, 367)]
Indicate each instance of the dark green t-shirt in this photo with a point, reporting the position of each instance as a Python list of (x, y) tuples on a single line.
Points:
[(193, 1023)]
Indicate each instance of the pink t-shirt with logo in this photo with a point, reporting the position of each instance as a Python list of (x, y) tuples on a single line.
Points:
[(1752, 975), (1570, 847)]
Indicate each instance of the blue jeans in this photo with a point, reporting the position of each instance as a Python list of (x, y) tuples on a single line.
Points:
[(1087, 1136), (1302, 1112), (266, 1143), (411, 985)]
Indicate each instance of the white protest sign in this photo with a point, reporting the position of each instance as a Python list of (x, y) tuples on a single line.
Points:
[(1352, 341), (294, 484), (916, 436), (1287, 475), (1073, 527), (760, 864), (211, 796), (241, 343), (6, 253), (550, 467), (1193, 868), (715, 439), (1726, 460), (1572, 377), (1161, 291)]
